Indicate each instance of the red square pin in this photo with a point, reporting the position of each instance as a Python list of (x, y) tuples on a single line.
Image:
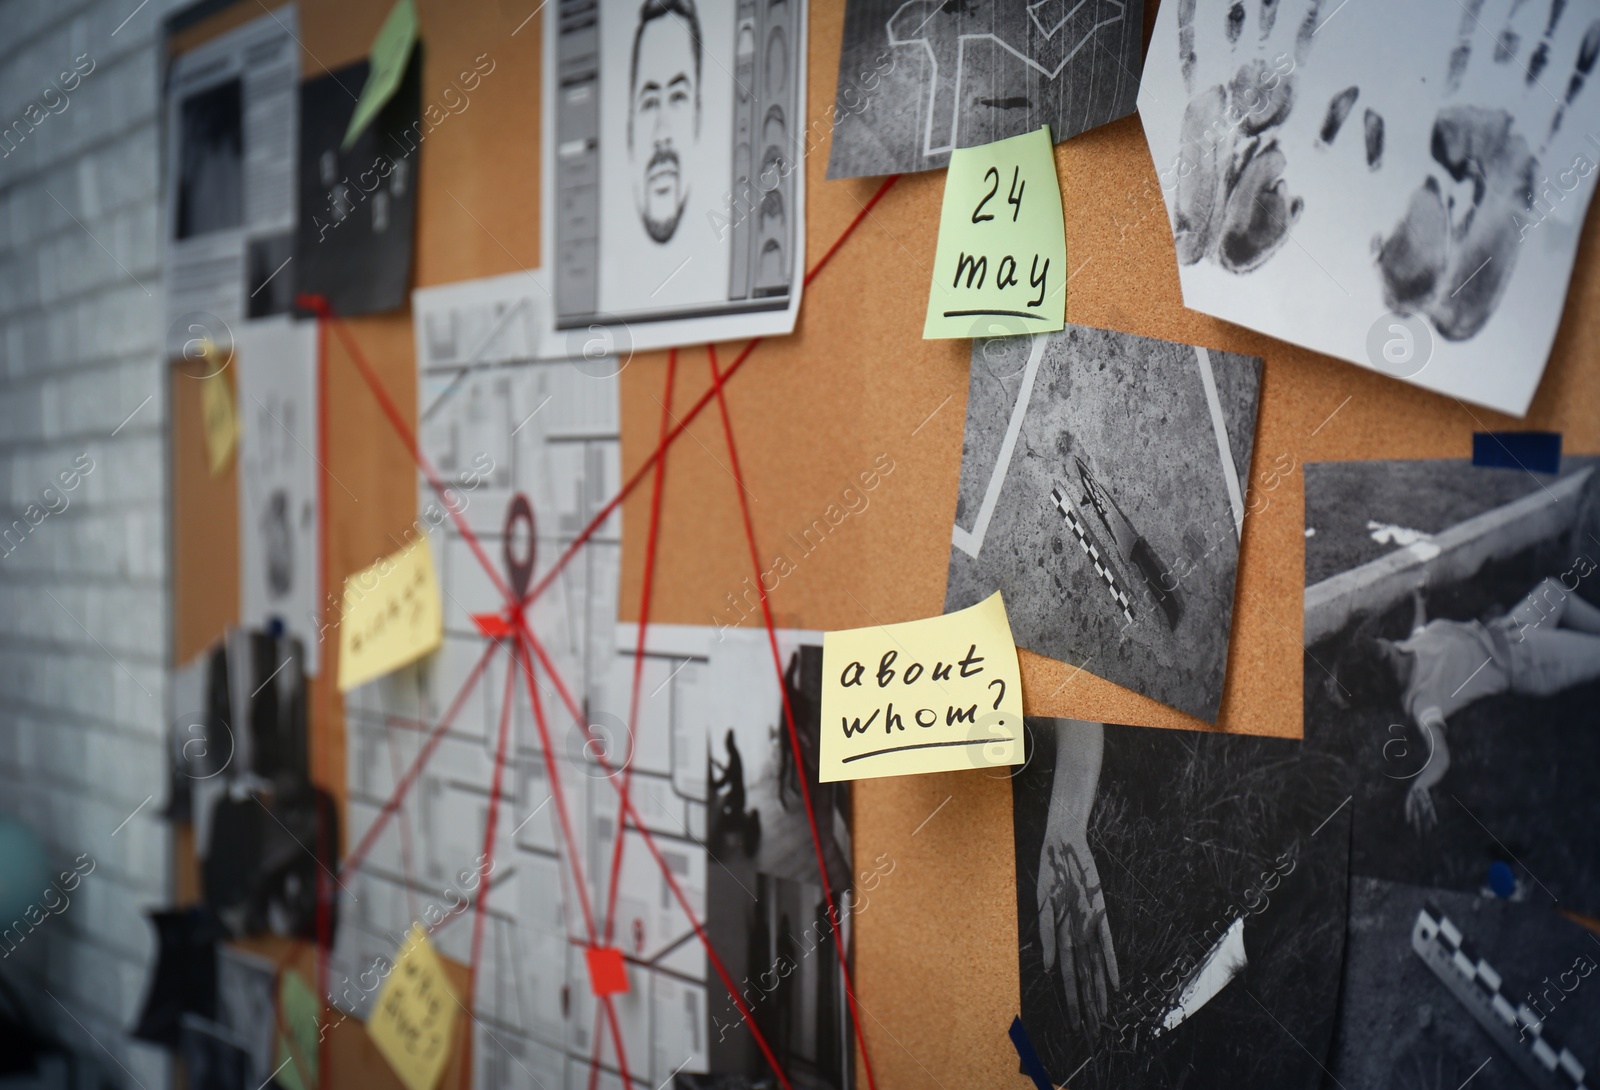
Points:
[(607, 973), (492, 625)]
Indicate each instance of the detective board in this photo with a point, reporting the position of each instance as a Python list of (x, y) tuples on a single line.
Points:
[(854, 388)]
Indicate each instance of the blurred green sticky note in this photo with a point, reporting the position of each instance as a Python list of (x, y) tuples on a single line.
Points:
[(301, 1014), (391, 49), (1001, 264)]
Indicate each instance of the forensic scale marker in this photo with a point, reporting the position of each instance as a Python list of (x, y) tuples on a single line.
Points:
[(1473, 981), (1086, 541)]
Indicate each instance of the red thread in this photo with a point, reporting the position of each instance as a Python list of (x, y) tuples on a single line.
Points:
[(650, 843), (405, 832), (488, 846), (866, 210), (355, 858), (407, 437), (491, 819), (561, 811), (386, 404), (694, 410), (638, 475), (651, 540), (788, 714)]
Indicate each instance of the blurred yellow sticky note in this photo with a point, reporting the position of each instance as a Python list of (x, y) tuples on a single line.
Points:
[(221, 421), (924, 696), (391, 49), (1001, 264), (414, 1017), (390, 616)]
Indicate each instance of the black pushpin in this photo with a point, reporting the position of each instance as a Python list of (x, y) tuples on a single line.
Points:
[(521, 571)]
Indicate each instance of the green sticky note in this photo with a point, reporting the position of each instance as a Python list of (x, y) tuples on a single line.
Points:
[(386, 63), (301, 1014), (1001, 264)]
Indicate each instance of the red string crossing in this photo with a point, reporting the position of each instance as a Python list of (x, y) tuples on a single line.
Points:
[(526, 647), (788, 712)]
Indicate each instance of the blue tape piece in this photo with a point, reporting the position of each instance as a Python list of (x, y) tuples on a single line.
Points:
[(1029, 1057), (1539, 451)]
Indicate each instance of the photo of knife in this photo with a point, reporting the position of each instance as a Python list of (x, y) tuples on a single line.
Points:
[(1128, 543)]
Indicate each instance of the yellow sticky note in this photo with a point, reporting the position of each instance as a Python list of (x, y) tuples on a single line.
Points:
[(924, 696), (220, 419), (414, 1017), (1001, 264), (301, 1014), (390, 616), (386, 63)]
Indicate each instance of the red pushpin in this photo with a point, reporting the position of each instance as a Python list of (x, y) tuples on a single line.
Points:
[(521, 571)]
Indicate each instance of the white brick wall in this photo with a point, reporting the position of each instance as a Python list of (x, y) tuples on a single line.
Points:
[(83, 598)]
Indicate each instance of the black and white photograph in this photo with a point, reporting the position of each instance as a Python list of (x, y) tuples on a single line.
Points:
[(1444, 988), (673, 138), (1452, 668), (1101, 491), (920, 78), (214, 1057), (1180, 906), (210, 161), (246, 988), (358, 206), (766, 910), (258, 817), (1397, 185), (268, 276), (230, 143), (279, 479), (266, 716)]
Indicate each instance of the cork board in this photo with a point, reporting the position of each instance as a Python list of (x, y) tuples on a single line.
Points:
[(936, 974)]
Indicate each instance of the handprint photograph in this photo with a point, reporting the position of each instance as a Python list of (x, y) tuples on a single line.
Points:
[(1402, 186), (1103, 492), (1452, 668), (1180, 906), (1442, 988), (919, 78)]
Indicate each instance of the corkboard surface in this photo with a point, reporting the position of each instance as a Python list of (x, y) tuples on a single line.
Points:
[(936, 963)]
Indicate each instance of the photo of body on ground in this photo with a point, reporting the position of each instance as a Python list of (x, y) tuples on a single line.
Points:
[(1453, 666)]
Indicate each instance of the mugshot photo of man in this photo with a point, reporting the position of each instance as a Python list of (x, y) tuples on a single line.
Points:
[(663, 227), (663, 111)]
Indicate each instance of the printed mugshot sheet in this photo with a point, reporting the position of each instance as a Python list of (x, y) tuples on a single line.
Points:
[(676, 213), (232, 115), (279, 479), (1398, 185), (711, 779)]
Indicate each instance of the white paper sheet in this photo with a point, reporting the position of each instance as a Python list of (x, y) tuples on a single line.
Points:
[(232, 124), (495, 423), (279, 479)]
